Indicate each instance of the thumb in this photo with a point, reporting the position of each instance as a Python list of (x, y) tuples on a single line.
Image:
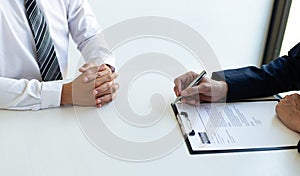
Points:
[(190, 91), (84, 68), (87, 66)]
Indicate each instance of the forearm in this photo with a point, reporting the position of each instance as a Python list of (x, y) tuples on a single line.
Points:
[(278, 76), (88, 37)]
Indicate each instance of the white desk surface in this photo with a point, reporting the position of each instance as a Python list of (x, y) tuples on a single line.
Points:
[(51, 142)]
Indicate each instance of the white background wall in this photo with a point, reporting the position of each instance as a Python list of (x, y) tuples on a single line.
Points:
[(292, 33), (235, 29)]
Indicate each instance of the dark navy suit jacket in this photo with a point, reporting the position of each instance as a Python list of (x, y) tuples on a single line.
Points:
[(280, 75)]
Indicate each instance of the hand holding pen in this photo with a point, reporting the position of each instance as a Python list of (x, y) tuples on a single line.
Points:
[(195, 82), (193, 88)]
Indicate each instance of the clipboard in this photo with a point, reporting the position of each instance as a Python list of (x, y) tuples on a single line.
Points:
[(246, 126)]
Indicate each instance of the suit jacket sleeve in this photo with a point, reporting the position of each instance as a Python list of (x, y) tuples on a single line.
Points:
[(280, 75)]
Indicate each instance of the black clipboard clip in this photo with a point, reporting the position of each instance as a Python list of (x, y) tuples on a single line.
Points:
[(178, 115), (298, 146)]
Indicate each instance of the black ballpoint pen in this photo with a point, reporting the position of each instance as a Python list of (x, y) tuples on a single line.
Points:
[(193, 83)]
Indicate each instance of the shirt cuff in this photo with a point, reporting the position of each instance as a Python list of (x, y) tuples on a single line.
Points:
[(51, 94)]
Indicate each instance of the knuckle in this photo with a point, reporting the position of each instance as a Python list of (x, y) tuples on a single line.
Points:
[(112, 89), (207, 86), (191, 72), (104, 98), (176, 80), (106, 86), (107, 98), (115, 88), (88, 71), (102, 88), (97, 83), (91, 71), (109, 77), (277, 108), (99, 74)]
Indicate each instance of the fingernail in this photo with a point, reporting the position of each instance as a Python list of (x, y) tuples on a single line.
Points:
[(101, 67), (86, 79), (183, 93), (98, 100), (82, 69), (95, 92)]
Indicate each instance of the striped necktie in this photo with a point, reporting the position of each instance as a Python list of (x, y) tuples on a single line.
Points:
[(45, 53)]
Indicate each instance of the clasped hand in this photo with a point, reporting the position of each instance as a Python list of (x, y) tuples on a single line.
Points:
[(94, 86)]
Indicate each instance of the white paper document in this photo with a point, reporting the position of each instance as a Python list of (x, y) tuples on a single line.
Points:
[(233, 127)]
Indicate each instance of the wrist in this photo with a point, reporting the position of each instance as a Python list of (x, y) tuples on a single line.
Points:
[(221, 91), (66, 94), (225, 85), (225, 89)]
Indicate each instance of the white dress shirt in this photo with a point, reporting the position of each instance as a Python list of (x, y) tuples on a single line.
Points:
[(20, 80)]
